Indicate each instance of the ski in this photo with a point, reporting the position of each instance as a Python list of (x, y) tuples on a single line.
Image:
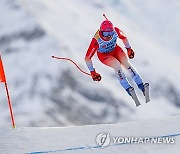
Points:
[(134, 96), (146, 92)]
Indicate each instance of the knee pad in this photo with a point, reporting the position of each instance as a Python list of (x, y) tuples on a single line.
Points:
[(121, 75), (122, 79)]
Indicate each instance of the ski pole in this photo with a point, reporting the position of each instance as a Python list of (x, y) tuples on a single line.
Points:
[(62, 58)]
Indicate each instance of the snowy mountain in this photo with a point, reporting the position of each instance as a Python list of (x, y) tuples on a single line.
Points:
[(48, 92), (161, 136)]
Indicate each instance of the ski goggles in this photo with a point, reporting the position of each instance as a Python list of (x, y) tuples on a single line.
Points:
[(108, 33)]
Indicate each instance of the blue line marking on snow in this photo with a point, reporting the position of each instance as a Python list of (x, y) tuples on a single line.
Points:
[(95, 147)]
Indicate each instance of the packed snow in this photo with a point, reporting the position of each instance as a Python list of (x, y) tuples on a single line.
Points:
[(164, 137)]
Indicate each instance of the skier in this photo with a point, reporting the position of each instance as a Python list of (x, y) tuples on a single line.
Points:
[(112, 55)]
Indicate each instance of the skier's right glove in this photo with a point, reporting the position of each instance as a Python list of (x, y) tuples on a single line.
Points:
[(130, 53), (95, 76)]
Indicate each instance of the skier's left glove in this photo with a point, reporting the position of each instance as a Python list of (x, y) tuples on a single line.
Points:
[(95, 76), (130, 53)]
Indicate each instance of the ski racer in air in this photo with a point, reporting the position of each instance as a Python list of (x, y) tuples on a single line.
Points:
[(111, 54)]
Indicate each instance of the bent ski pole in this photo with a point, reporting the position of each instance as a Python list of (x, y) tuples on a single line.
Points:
[(61, 58)]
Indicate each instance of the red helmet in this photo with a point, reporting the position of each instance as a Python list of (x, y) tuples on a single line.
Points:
[(106, 26)]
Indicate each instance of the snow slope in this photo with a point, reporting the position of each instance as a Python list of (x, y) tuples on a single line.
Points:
[(66, 22), (82, 139)]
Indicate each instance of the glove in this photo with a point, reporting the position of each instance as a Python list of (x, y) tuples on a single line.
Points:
[(130, 53), (95, 76)]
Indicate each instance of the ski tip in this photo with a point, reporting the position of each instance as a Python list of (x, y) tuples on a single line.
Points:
[(148, 101), (138, 105), (52, 56)]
